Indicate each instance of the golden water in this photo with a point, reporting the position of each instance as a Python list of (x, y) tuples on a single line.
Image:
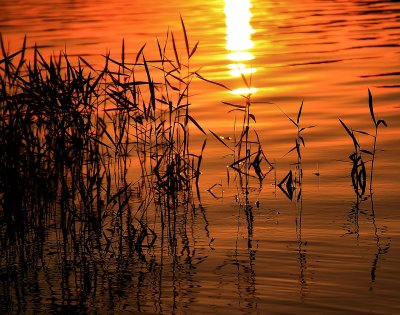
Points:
[(321, 257)]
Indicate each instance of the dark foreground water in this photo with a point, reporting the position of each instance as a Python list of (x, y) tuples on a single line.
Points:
[(330, 252)]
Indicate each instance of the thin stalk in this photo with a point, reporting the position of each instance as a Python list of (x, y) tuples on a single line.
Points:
[(373, 159)]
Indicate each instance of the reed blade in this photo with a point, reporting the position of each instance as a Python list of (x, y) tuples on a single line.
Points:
[(140, 52), (350, 133), (185, 35), (175, 51), (219, 139), (371, 107), (299, 114)]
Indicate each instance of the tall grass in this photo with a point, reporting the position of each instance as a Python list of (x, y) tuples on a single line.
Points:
[(71, 139), (290, 182), (70, 134), (248, 158), (358, 172)]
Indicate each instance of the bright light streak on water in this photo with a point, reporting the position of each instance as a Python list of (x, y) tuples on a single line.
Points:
[(238, 40), (238, 26), (238, 69), (244, 91)]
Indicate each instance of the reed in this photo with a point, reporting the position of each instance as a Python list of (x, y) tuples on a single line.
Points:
[(70, 134), (358, 172), (289, 183), (249, 159), (377, 123)]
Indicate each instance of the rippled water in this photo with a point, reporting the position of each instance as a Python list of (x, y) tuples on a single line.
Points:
[(329, 254)]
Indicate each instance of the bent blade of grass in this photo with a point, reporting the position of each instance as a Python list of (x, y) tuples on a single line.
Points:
[(159, 51), (298, 149), (294, 123), (302, 141), (371, 107), (364, 133), (196, 123), (9, 57), (120, 64), (351, 134), (212, 82), (367, 152), (299, 114), (176, 78), (171, 86), (151, 85), (291, 150), (175, 51), (193, 50), (237, 110), (87, 63), (140, 52), (203, 146), (182, 95), (308, 127), (234, 105), (185, 35), (381, 121), (220, 140)]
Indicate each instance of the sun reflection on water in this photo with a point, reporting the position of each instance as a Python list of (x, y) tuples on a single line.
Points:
[(238, 40)]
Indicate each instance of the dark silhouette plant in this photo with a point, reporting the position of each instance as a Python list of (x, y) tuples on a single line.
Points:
[(289, 182), (358, 171)]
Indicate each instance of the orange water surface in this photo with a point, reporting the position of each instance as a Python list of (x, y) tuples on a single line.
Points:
[(329, 254)]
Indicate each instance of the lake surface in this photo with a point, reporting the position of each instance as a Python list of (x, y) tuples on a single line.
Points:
[(328, 253)]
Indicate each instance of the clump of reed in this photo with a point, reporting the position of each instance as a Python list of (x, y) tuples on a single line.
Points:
[(358, 171), (56, 175), (69, 134), (290, 182)]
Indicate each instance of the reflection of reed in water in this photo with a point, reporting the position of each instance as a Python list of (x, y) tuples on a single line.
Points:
[(352, 227), (381, 249), (302, 248), (241, 264)]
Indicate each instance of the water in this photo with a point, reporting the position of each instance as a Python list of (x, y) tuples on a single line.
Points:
[(331, 253)]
